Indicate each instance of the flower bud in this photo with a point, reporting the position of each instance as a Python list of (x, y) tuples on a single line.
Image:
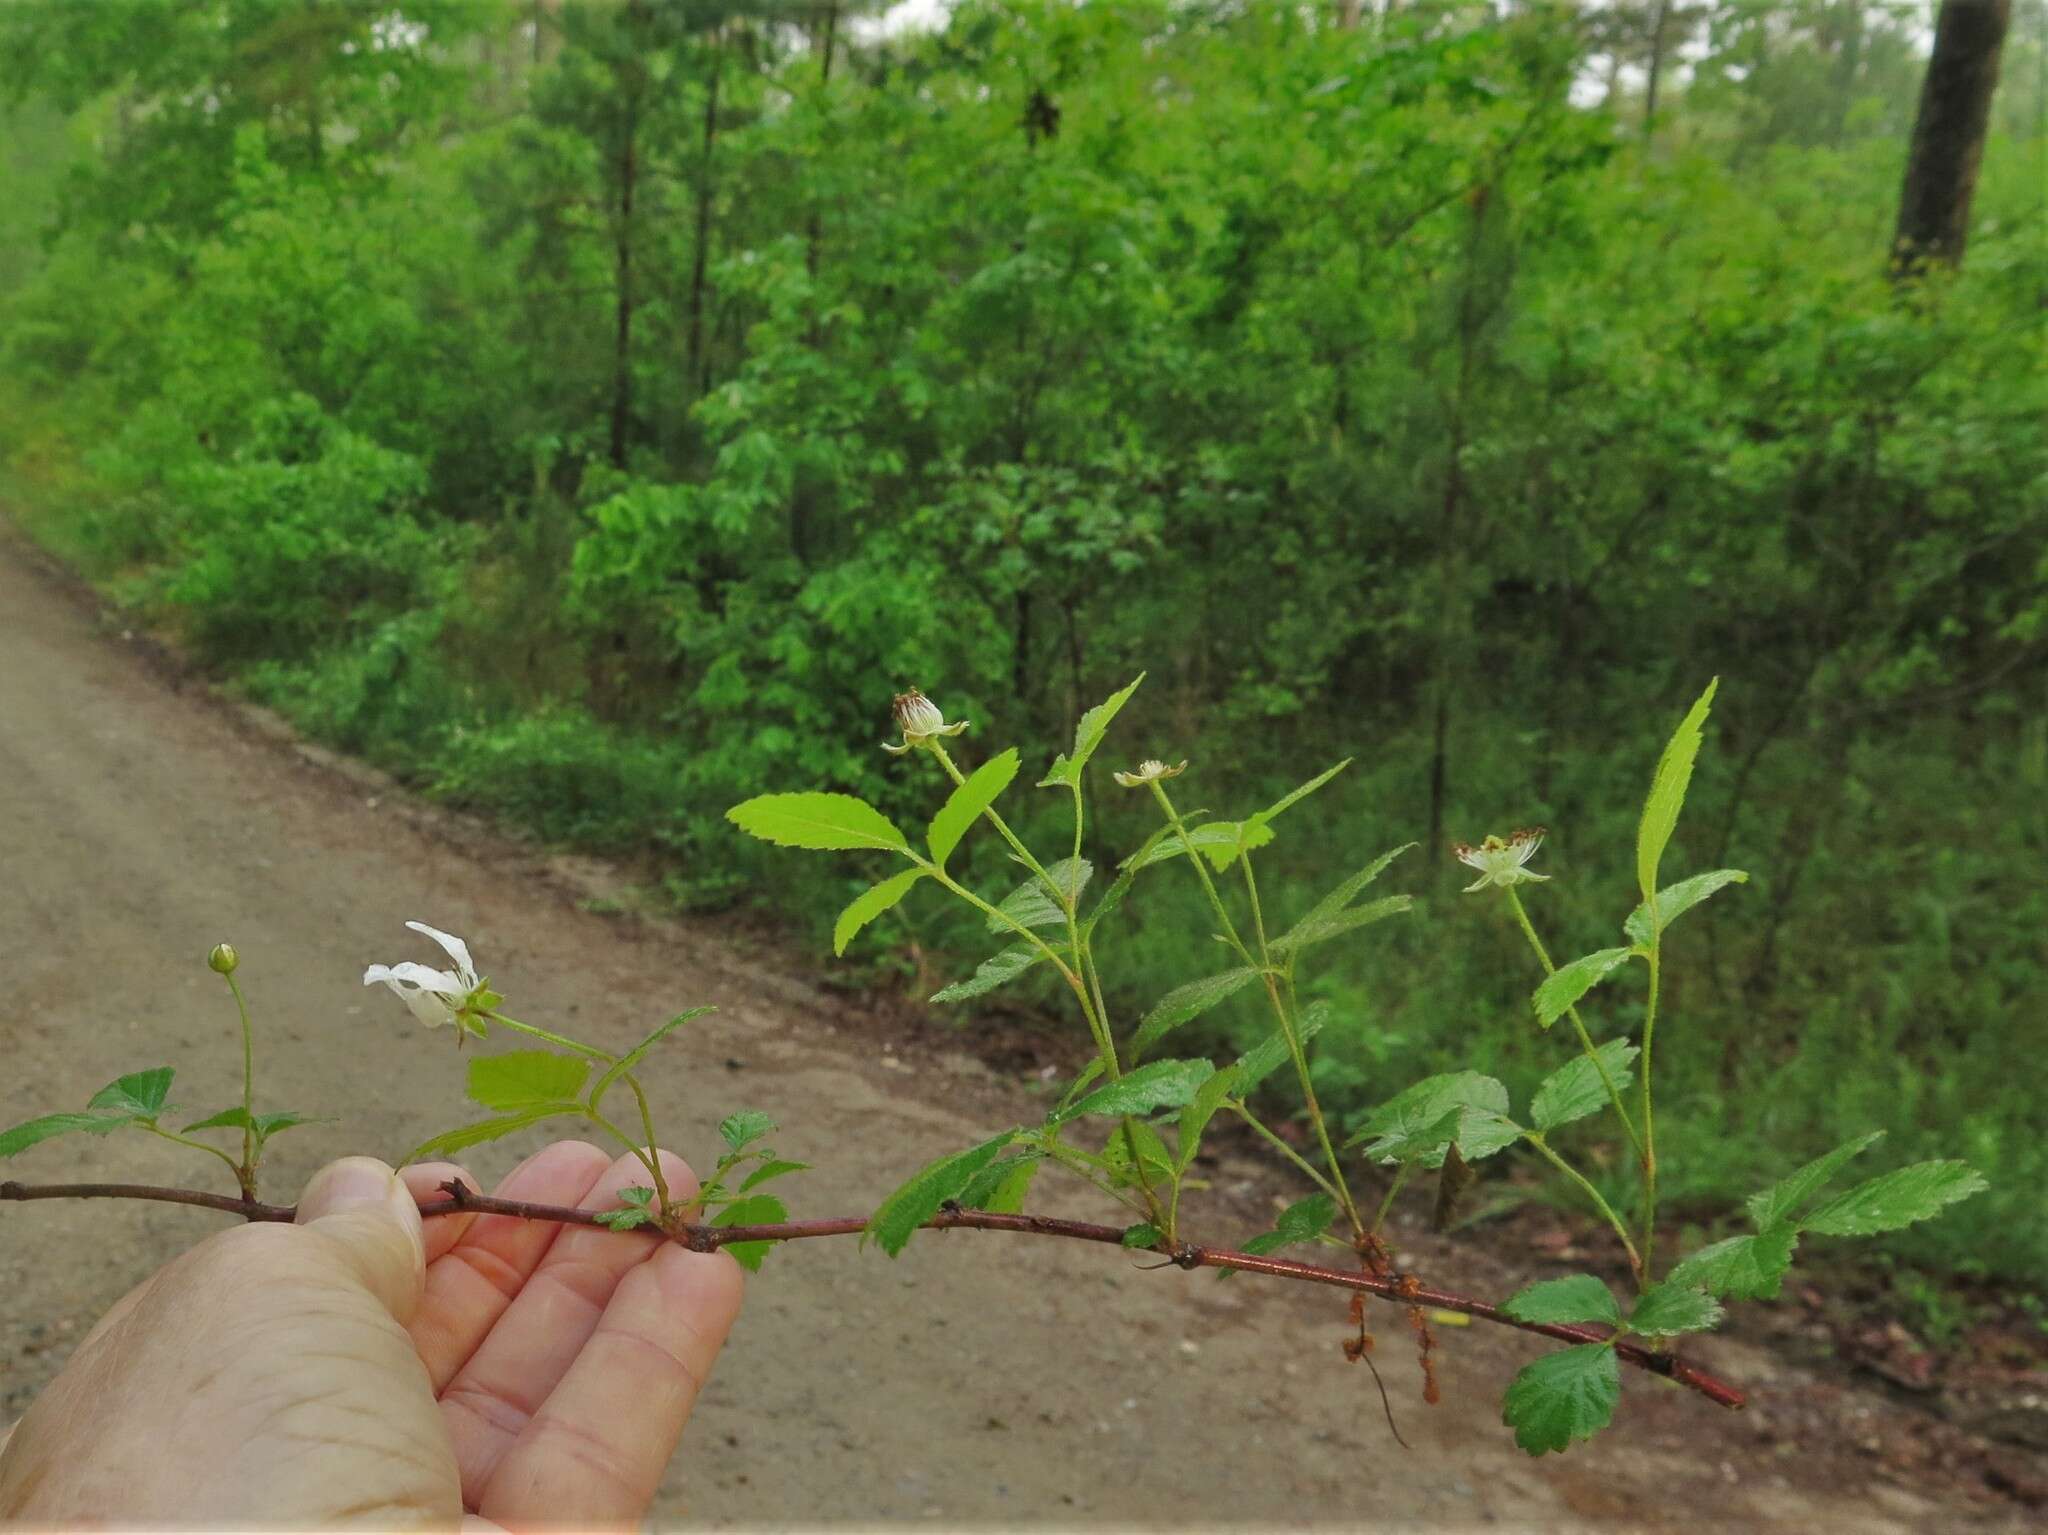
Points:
[(1149, 771), (920, 720), (223, 959)]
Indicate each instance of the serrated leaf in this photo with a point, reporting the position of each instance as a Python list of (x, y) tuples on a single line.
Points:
[(1194, 1119), (1311, 931), (755, 1210), (239, 1118), (1667, 791), (1674, 901), (1294, 797), (1562, 988), (140, 1094), (1419, 1124), (1264, 1058), (1895, 1199), (1031, 904), (638, 1053), (1000, 1187), (1342, 896), (521, 1079), (1574, 1298), (1574, 1091), (967, 801), (465, 1136), (1066, 770), (1303, 1221), (1743, 1268), (1151, 1150), (1144, 1234), (35, 1131), (918, 1199), (623, 1220), (778, 1168), (1160, 1085), (1562, 1397), (1666, 1309), (821, 822), (1783, 1199), (268, 1125), (740, 1130), (998, 970), (1186, 1002), (1218, 839), (870, 904)]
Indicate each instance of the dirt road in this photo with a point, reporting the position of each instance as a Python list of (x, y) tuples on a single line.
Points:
[(979, 1380)]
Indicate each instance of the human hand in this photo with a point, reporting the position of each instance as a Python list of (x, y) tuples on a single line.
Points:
[(358, 1367)]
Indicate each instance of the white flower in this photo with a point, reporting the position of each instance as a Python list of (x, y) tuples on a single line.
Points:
[(435, 996), (920, 719), (1500, 863), (1150, 771)]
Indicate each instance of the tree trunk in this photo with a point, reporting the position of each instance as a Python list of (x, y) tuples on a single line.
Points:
[(699, 372), (1656, 70), (622, 342), (1948, 135)]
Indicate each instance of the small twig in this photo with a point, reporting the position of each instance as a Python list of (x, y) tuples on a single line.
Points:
[(702, 1238)]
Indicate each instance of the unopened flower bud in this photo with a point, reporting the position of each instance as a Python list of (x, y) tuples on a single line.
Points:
[(223, 959), (920, 720)]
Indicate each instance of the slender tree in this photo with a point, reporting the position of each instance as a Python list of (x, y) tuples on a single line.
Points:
[(1948, 135)]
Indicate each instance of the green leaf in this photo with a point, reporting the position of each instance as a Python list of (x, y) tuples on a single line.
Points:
[(1066, 770), (268, 1125), (1669, 1308), (1744, 1268), (918, 1200), (1574, 1298), (1574, 1091), (35, 1131), (1287, 801), (1420, 1123), (1144, 1235), (1151, 1150), (635, 1212), (870, 904), (1186, 1002), (778, 1168), (755, 1210), (1667, 791), (239, 1118), (823, 822), (1562, 989), (1562, 1397), (1311, 931), (1782, 1200), (1342, 896), (1222, 841), (1264, 1058), (1194, 1119), (1674, 901), (1081, 1080), (1303, 1221), (995, 971), (1001, 1186), (742, 1129), (522, 1079), (139, 1095), (1896, 1199), (1218, 839), (1031, 904), (967, 801), (465, 1136), (638, 1053), (1160, 1085)]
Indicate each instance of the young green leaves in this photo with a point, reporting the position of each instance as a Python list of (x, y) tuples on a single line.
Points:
[(136, 1099), (1667, 792), (1065, 771)]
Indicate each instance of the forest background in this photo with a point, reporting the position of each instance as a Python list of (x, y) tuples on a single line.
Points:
[(593, 413)]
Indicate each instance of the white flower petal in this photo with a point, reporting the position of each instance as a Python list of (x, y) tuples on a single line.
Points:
[(457, 951), (423, 977)]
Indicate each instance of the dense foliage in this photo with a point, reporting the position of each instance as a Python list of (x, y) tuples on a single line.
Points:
[(596, 412)]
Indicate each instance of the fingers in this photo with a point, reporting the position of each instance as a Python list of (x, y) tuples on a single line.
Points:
[(425, 1180), (493, 1397), (477, 1275), (595, 1452), (359, 1205)]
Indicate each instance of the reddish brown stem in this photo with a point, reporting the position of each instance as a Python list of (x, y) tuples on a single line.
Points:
[(702, 1238)]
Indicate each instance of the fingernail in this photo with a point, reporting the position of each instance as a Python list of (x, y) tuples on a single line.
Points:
[(344, 1185)]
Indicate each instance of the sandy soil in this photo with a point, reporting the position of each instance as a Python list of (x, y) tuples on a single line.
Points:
[(980, 1380)]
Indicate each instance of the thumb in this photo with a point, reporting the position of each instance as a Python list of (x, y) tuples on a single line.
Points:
[(372, 1224)]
